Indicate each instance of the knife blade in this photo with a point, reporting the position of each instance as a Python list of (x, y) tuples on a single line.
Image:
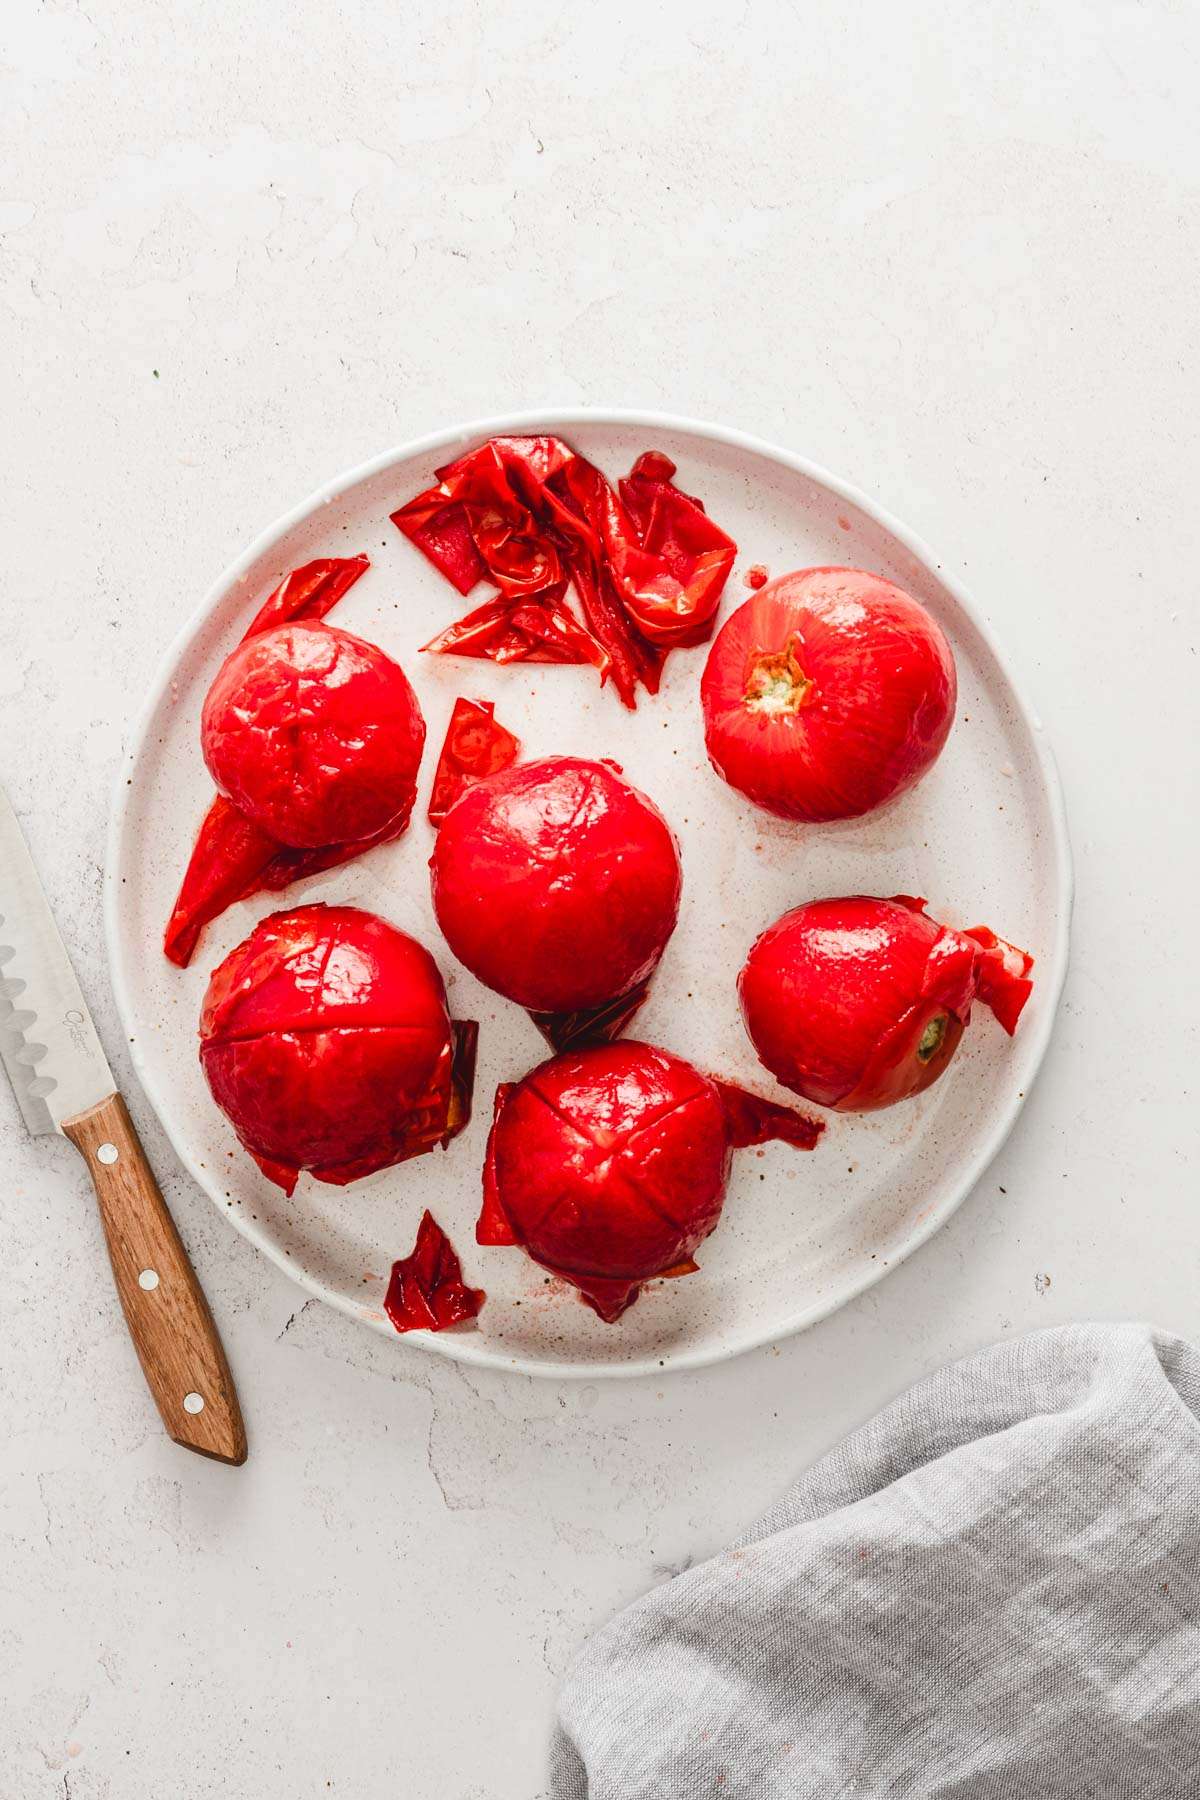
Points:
[(48, 1044), (63, 1083)]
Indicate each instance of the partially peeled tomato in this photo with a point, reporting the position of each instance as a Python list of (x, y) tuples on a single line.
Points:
[(609, 1165), (326, 1041), (856, 1003), (315, 735), (826, 694), (313, 738)]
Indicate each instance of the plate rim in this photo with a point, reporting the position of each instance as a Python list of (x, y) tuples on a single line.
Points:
[(464, 1348)]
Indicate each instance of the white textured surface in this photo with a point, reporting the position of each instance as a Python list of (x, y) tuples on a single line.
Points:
[(947, 250)]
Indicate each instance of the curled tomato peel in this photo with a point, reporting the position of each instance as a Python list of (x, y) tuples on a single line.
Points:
[(492, 1226), (426, 1291), (753, 1120), (233, 859), (647, 563), (1004, 983), (227, 863), (475, 746), (309, 592), (464, 1051), (505, 630), (594, 1024)]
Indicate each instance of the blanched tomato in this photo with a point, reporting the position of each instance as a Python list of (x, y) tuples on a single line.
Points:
[(857, 1003), (326, 1041), (557, 883), (314, 734), (827, 693), (609, 1165)]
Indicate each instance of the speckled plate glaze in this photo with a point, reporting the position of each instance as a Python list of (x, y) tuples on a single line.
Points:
[(983, 837)]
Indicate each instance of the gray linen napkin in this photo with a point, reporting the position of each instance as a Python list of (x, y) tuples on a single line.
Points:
[(991, 1592)]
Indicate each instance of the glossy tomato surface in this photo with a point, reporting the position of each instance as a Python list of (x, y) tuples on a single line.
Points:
[(856, 1003), (326, 1042), (609, 1166), (314, 734), (826, 694), (557, 883)]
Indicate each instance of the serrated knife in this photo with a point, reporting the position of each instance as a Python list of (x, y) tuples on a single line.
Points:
[(63, 1083)]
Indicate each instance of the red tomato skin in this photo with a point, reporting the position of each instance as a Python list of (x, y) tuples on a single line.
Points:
[(314, 734), (837, 994), (610, 1165), (326, 1041), (874, 717), (556, 883)]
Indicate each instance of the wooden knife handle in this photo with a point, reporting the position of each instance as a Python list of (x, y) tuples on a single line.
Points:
[(168, 1317)]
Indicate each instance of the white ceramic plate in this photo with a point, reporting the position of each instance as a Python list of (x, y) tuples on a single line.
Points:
[(983, 837)]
